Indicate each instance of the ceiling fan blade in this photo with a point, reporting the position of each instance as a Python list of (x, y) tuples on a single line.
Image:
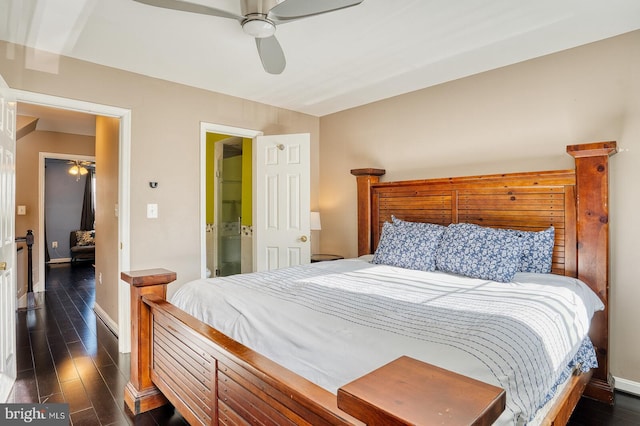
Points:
[(295, 9), (271, 55), (191, 7)]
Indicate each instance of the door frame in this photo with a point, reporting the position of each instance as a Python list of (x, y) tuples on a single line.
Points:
[(124, 177), (225, 130)]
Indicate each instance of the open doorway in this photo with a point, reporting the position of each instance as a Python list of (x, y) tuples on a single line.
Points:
[(280, 208), (69, 209), (115, 124), (49, 134), (229, 205), (226, 226)]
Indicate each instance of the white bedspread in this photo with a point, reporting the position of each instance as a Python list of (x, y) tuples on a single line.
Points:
[(332, 322)]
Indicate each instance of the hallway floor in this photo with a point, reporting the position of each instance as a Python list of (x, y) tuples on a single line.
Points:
[(66, 354)]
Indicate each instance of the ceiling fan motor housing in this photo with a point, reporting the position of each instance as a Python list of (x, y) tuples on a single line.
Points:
[(262, 7)]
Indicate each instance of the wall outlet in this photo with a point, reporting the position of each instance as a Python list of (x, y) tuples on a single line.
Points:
[(54, 244)]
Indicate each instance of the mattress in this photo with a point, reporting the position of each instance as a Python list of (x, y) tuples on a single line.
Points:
[(332, 322)]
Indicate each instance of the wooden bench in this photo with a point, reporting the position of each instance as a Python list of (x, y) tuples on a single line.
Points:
[(411, 392)]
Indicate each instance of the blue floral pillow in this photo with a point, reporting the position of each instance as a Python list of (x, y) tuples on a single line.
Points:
[(537, 250), (409, 245), (480, 252)]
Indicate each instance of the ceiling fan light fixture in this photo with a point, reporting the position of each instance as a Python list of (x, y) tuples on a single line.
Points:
[(78, 168), (258, 26)]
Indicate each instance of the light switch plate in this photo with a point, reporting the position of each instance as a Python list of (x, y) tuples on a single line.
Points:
[(22, 210), (152, 211)]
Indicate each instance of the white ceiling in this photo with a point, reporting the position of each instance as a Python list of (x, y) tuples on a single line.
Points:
[(335, 61)]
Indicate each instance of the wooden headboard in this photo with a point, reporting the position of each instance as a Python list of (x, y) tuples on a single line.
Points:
[(574, 202)]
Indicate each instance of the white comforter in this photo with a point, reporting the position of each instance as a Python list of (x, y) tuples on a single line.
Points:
[(332, 322)]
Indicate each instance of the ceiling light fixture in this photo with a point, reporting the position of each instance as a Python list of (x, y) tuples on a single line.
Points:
[(258, 26), (78, 170)]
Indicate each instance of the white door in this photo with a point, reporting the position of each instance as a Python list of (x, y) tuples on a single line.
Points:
[(281, 183), (7, 241)]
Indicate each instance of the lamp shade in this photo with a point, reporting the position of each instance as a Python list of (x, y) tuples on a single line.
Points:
[(314, 220), (258, 27)]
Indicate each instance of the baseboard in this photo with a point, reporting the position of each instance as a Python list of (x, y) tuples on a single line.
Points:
[(60, 260), (628, 386), (6, 383), (22, 301), (38, 286), (108, 321)]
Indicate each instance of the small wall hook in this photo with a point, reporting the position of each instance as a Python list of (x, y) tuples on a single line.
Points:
[(153, 184)]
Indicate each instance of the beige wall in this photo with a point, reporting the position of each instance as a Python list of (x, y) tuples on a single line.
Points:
[(107, 242), (28, 151), (518, 118), (165, 146)]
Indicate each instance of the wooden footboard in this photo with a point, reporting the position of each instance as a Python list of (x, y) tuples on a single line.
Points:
[(210, 378)]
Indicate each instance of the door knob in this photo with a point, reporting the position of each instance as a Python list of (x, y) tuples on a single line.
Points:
[(303, 238), (3, 266)]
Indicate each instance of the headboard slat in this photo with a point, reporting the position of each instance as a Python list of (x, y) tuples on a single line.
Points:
[(516, 201)]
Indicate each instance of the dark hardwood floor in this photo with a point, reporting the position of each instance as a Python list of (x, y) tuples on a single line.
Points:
[(626, 411), (66, 354)]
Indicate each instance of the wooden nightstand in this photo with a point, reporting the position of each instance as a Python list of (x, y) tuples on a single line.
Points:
[(411, 392), (325, 257)]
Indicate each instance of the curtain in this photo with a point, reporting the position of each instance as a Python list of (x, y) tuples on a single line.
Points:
[(88, 214), (47, 256)]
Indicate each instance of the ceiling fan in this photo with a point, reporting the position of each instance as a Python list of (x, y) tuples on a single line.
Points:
[(259, 19), (80, 168)]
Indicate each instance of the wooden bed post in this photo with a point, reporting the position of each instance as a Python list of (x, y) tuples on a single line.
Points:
[(141, 394), (592, 182), (365, 178)]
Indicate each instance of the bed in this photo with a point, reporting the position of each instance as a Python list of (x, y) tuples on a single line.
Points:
[(218, 380)]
